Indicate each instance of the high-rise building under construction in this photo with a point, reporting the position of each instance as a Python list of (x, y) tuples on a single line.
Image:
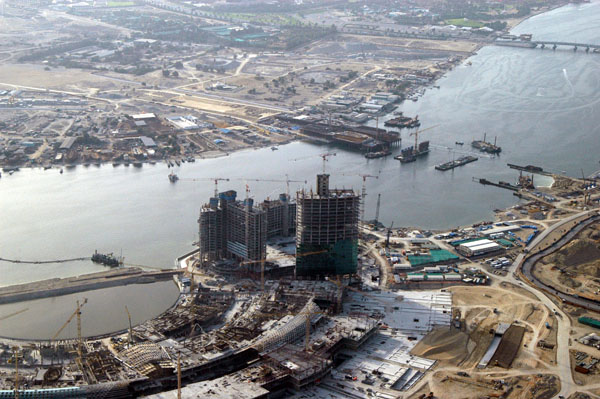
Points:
[(233, 229), (326, 231)]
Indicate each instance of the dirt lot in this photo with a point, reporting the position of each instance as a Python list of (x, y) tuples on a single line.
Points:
[(448, 346), (449, 385), (74, 80), (584, 379), (511, 304), (447, 45), (576, 266)]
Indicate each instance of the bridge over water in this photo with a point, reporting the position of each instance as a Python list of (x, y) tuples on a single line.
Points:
[(548, 43)]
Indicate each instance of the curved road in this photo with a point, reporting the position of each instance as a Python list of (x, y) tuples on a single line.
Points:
[(527, 267)]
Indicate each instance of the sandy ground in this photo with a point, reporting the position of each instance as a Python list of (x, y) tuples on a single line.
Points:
[(480, 309), (70, 80), (446, 45), (576, 266), (447, 345)]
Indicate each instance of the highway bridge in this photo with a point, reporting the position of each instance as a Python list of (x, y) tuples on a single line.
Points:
[(587, 47)]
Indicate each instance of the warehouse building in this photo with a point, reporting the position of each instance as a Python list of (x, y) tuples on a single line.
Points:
[(478, 248)]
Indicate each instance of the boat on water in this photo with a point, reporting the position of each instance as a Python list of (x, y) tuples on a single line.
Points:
[(456, 163), (173, 177), (403, 122), (274, 148), (485, 146), (378, 154), (409, 154), (459, 142), (106, 259)]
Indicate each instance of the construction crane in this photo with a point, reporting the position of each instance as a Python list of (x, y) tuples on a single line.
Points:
[(215, 179), (307, 336), (308, 315), (325, 156), (287, 181), (363, 196), (77, 313), (13, 314), (389, 232), (377, 211), (130, 327), (178, 375), (416, 133), (79, 339), (16, 355)]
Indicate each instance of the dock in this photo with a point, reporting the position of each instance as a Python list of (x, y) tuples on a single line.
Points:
[(87, 282), (530, 169), (456, 163), (501, 184)]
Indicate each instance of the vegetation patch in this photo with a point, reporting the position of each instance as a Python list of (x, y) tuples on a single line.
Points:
[(464, 22), (120, 3)]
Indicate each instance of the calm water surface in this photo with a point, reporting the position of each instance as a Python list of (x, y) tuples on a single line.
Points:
[(543, 106)]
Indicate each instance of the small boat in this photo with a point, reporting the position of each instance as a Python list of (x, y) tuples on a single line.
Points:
[(47, 167), (173, 177), (459, 143), (274, 148), (61, 171), (106, 259)]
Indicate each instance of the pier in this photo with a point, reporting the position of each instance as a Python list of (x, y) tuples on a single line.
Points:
[(87, 282)]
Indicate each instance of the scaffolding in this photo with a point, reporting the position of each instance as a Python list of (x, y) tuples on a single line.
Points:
[(232, 229), (291, 332), (327, 221)]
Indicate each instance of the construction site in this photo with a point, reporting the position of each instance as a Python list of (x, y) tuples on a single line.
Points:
[(302, 297), (297, 294)]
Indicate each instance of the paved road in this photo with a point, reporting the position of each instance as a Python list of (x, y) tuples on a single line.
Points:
[(563, 363), (527, 267)]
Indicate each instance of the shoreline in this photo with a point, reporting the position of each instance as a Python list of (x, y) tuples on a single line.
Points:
[(213, 154), (519, 21)]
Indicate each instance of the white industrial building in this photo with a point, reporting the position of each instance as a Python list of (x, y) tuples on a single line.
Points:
[(479, 247)]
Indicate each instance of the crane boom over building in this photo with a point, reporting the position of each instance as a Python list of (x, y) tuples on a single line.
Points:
[(324, 156), (215, 179), (74, 314)]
